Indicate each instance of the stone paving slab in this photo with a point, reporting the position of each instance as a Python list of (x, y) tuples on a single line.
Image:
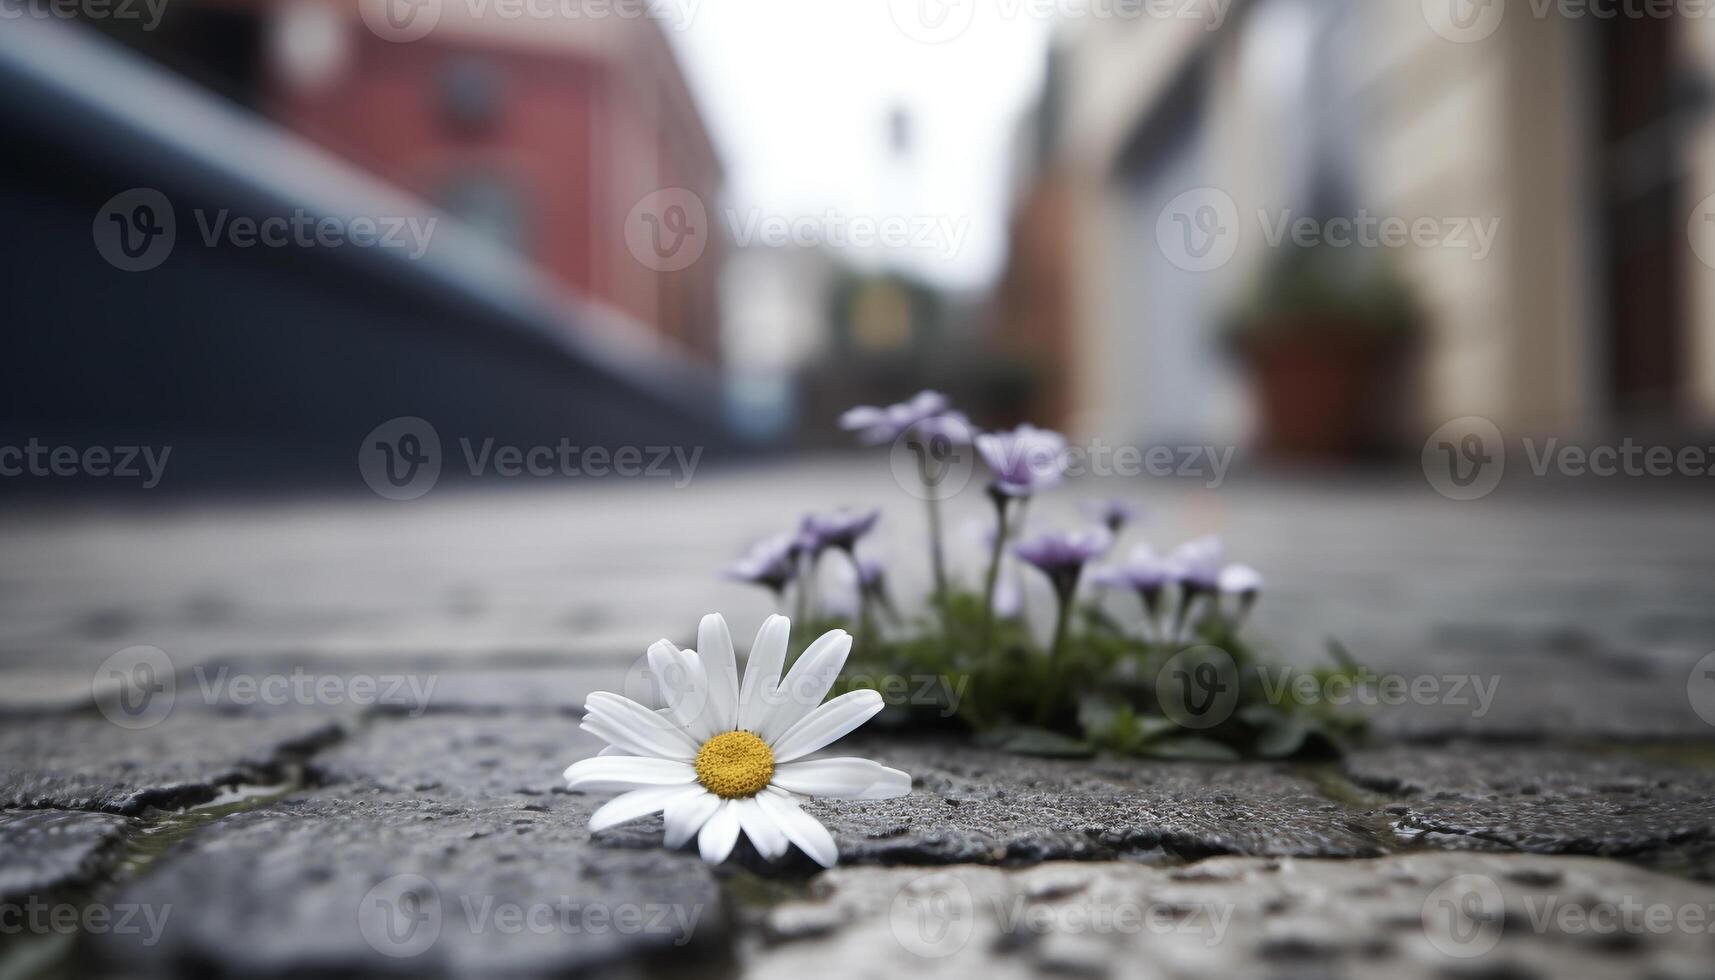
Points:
[(983, 805), (1475, 770), (47, 851), (972, 804), (1400, 917), (382, 883), (456, 757), (84, 762), (1548, 800)]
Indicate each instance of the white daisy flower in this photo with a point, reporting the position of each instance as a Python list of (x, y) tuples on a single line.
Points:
[(725, 756)]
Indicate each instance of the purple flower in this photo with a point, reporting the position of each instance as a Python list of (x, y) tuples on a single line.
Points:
[(878, 425), (1062, 555), (1142, 570), (1147, 574), (954, 427), (771, 562), (1240, 580), (1025, 460), (1114, 514), (1197, 564), (1244, 582), (871, 573), (838, 529)]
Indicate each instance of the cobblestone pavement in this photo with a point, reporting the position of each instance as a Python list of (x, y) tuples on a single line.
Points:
[(368, 705)]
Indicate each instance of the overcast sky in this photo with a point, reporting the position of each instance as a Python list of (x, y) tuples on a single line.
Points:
[(798, 94)]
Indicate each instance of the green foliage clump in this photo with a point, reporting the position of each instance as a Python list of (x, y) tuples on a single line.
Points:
[(1109, 688)]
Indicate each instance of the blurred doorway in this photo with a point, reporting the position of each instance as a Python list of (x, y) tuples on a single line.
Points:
[(1641, 120)]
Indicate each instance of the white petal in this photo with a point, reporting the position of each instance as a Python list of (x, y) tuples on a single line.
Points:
[(645, 731), (843, 778), (687, 815), (763, 832), (825, 724), (799, 827), (637, 803), (762, 672), (684, 685), (619, 737), (719, 834), (622, 772), (611, 749), (807, 683), (714, 643), (656, 723)]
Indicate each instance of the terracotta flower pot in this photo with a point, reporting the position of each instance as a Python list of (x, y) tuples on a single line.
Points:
[(1323, 386)]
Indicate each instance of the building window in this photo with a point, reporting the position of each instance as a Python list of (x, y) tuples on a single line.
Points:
[(490, 203)]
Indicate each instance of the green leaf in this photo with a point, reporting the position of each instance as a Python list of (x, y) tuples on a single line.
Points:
[(1042, 742), (1191, 748), (1283, 738), (1341, 655)]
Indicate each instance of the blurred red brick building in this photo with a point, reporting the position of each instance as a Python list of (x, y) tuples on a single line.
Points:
[(540, 131)]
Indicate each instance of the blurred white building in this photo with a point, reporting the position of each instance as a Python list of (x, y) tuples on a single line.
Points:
[(1583, 143)]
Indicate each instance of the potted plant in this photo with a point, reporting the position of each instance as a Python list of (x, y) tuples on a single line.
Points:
[(1325, 336)]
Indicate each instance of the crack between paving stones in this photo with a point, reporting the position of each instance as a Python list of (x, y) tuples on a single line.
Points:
[(160, 821), (125, 859)]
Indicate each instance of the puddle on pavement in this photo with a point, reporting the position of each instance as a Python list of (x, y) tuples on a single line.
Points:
[(51, 956)]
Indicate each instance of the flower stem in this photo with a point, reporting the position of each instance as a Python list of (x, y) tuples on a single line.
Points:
[(1051, 690), (937, 556), (864, 626), (1000, 534), (802, 592)]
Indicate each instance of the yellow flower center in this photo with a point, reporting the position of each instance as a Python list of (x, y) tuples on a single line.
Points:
[(735, 764)]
